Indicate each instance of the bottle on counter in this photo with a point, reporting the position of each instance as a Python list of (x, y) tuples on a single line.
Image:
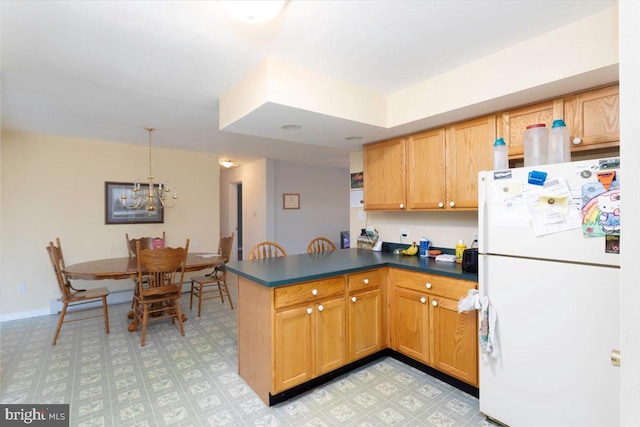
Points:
[(559, 147), (460, 247), (424, 247), (500, 155)]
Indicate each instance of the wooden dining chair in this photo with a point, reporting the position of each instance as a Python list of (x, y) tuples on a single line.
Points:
[(320, 244), (145, 243), (158, 298), (70, 296), (215, 282), (267, 250)]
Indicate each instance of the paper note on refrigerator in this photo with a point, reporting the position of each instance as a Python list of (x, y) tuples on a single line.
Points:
[(551, 207)]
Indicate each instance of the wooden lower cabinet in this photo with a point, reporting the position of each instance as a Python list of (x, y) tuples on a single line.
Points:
[(365, 324), (454, 340), (309, 341), (411, 324)]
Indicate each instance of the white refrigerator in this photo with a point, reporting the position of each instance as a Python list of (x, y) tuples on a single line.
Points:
[(549, 264)]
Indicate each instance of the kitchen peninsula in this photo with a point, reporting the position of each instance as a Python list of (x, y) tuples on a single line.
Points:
[(305, 319)]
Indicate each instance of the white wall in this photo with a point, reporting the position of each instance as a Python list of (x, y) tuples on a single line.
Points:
[(324, 197), (324, 193), (54, 187)]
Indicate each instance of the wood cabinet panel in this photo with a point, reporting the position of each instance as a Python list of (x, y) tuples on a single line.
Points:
[(384, 175), (454, 340), (515, 122), (435, 285), (593, 118), (364, 281), (426, 173), (309, 292), (292, 348), (470, 150), (365, 323), (411, 326), (330, 340)]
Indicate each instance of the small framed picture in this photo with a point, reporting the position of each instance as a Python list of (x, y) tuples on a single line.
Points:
[(291, 201)]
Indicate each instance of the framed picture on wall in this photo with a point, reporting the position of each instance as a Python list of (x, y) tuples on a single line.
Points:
[(131, 209), (291, 201)]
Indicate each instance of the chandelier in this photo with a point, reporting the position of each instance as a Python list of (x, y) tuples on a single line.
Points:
[(153, 196)]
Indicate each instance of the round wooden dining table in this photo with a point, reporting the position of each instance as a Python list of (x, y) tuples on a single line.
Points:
[(127, 268)]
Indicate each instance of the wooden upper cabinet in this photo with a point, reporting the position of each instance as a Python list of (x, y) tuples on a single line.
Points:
[(470, 150), (426, 174), (593, 118), (513, 123), (384, 175)]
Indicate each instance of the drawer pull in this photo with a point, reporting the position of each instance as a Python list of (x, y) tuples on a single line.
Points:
[(441, 205), (314, 292), (423, 300), (366, 281), (452, 204), (309, 310), (434, 303), (429, 285), (320, 307), (354, 299)]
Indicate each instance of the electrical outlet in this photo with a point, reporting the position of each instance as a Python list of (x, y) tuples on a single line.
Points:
[(194, 243), (475, 236), (404, 233), (22, 288)]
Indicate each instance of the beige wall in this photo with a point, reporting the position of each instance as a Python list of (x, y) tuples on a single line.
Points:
[(54, 187)]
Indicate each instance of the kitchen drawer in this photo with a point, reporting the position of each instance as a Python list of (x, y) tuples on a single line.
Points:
[(308, 292), (443, 286), (364, 281)]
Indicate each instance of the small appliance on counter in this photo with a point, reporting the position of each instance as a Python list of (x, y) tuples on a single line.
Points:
[(470, 260)]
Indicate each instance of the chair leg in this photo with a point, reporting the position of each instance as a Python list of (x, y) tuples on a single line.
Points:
[(60, 321), (145, 314), (191, 297), (179, 315), (200, 290), (220, 292), (106, 313), (226, 289)]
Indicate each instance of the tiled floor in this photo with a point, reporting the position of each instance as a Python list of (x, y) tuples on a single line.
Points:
[(109, 380)]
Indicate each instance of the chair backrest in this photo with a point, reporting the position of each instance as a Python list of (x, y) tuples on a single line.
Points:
[(320, 244), (225, 246), (57, 260), (267, 250), (145, 243), (161, 267)]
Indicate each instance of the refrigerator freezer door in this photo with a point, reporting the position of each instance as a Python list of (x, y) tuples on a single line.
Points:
[(557, 324), (505, 227)]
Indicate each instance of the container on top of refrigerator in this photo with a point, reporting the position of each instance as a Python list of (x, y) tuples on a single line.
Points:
[(559, 146), (536, 145), (500, 155)]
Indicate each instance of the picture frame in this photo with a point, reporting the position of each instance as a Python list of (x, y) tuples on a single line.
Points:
[(116, 213), (291, 201)]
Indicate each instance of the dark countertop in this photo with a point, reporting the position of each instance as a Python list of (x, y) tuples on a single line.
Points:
[(306, 267)]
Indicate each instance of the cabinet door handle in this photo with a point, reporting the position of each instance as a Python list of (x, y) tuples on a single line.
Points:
[(428, 285), (354, 299), (366, 281), (320, 307), (309, 310), (423, 300), (441, 205), (314, 292), (577, 140), (434, 303), (452, 204), (401, 205)]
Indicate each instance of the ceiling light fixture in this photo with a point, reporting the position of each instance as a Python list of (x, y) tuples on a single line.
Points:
[(150, 198), (252, 11), (226, 163), (291, 127)]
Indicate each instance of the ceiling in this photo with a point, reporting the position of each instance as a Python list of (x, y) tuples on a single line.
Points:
[(105, 70)]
